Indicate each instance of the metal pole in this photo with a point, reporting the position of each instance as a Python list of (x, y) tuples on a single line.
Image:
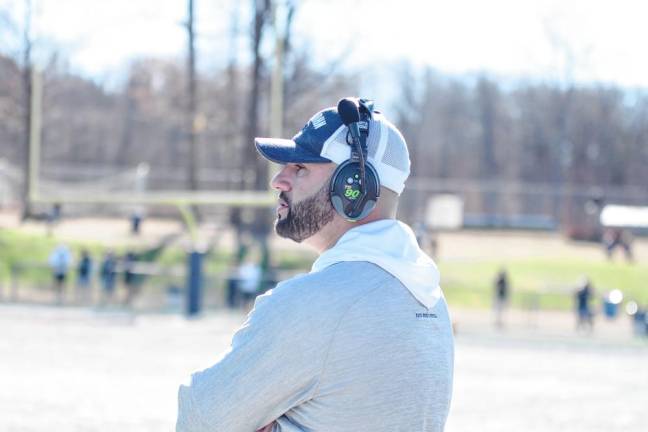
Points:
[(28, 98), (194, 283), (35, 129), (192, 105), (277, 82)]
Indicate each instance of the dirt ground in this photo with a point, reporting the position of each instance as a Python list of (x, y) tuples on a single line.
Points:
[(452, 245), (74, 369)]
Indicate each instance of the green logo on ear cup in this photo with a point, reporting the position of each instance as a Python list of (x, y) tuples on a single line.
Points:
[(352, 193)]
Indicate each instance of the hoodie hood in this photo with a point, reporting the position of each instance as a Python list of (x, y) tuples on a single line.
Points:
[(391, 245)]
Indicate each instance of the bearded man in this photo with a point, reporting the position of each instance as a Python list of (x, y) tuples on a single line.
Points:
[(361, 343)]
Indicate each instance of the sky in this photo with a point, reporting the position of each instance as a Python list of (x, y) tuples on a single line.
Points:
[(579, 40)]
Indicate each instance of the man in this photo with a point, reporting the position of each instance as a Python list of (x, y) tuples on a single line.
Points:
[(361, 343), (108, 276), (84, 277), (59, 261), (584, 294), (501, 296)]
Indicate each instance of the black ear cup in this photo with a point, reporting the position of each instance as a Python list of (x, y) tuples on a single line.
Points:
[(346, 196)]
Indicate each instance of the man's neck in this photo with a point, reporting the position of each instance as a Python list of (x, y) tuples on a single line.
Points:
[(329, 235)]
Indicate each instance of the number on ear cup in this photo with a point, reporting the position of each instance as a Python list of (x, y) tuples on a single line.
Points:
[(345, 191)]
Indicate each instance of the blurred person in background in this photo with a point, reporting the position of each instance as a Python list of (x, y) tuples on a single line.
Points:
[(584, 314), (364, 341), (84, 277), (59, 261), (249, 280), (52, 218), (501, 298), (108, 275), (426, 239), (644, 315), (232, 289), (617, 237), (136, 221), (639, 316), (130, 277)]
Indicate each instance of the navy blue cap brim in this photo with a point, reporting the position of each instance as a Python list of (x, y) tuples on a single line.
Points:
[(285, 151)]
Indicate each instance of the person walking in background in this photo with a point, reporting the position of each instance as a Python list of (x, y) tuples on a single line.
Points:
[(108, 276), (232, 289), (136, 221), (52, 218), (130, 277), (364, 341), (249, 280), (59, 261), (84, 277), (617, 237), (501, 297), (584, 314)]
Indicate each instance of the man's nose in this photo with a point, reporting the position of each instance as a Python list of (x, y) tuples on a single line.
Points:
[(280, 181)]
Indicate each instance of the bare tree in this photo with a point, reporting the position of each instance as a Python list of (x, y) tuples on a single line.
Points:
[(262, 14), (255, 170), (191, 100), (27, 85)]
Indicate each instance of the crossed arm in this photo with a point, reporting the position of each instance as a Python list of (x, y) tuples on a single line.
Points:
[(270, 368)]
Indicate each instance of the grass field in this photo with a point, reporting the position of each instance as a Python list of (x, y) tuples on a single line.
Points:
[(544, 282), (544, 269)]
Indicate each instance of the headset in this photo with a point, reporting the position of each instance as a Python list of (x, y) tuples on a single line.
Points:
[(355, 185)]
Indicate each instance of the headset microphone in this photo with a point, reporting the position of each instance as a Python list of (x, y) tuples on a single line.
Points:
[(350, 115), (355, 186)]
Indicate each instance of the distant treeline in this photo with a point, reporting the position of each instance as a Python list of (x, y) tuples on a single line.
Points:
[(145, 120), (531, 132), (556, 134)]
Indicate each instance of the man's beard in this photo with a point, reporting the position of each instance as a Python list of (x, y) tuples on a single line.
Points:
[(307, 217)]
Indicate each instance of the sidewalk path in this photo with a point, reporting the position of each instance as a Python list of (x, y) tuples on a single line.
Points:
[(67, 369)]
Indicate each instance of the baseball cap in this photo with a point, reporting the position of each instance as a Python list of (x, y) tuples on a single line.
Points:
[(323, 140)]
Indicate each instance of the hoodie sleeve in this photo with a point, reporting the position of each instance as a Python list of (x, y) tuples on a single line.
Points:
[(272, 365)]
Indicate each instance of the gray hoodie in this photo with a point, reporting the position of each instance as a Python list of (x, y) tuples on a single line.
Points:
[(355, 345)]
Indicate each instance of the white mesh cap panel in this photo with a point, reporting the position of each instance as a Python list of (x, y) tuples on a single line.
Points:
[(391, 161), (394, 155), (374, 139)]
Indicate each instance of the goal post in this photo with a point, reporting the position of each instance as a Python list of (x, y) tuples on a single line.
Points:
[(159, 197), (172, 198)]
